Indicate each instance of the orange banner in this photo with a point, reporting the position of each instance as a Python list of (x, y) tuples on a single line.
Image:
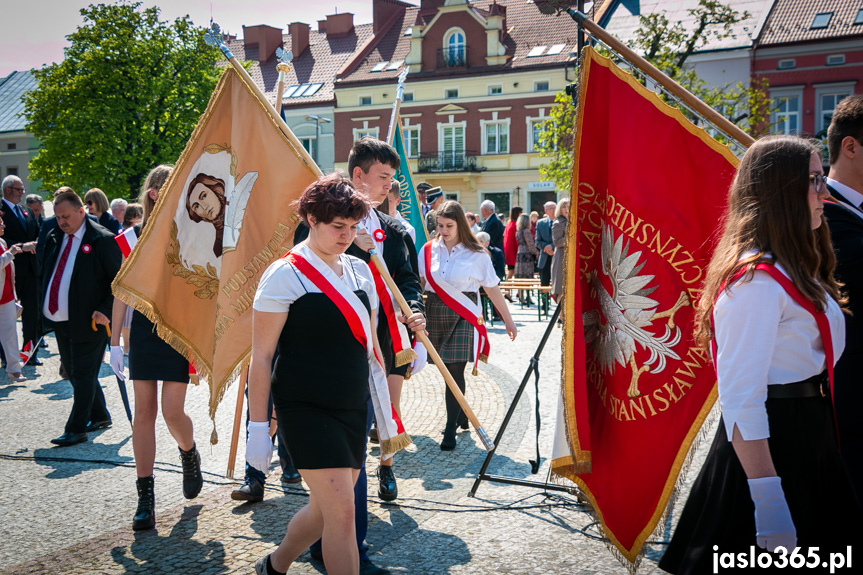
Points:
[(222, 217), (650, 188)]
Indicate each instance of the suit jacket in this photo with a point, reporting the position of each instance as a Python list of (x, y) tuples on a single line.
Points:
[(401, 261), (543, 238), (49, 224), (846, 233), (26, 264), (494, 228), (97, 262)]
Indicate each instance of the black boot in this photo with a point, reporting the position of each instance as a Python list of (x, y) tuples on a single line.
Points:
[(145, 515), (388, 489), (193, 481), (448, 442)]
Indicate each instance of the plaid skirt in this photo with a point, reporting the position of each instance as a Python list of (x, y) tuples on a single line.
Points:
[(450, 334)]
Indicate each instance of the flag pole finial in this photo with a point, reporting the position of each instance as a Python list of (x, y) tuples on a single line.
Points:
[(213, 37)]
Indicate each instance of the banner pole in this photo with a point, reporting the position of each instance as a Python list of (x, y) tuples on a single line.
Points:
[(397, 105), (238, 417), (661, 78)]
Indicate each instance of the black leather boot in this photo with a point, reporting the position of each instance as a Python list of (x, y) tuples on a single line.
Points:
[(145, 515), (448, 442), (193, 481), (388, 489)]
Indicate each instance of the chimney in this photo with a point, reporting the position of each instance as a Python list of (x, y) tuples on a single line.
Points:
[(299, 32), (383, 10), (339, 24), (266, 37), (322, 26)]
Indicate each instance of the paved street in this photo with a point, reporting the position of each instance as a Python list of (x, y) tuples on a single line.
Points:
[(69, 510)]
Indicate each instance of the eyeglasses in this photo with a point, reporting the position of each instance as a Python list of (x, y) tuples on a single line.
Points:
[(17, 189), (819, 180), (89, 202)]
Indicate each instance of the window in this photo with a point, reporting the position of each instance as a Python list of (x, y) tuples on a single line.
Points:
[(786, 115), (454, 48), (450, 196), (12, 171), (540, 86), (827, 97), (450, 93), (380, 66), (556, 49), (495, 90), (536, 51), (835, 60), (311, 146), (11, 146), (395, 65), (365, 131), (501, 201), (412, 141), (821, 20), (451, 137), (786, 64), (535, 128), (496, 137), (408, 97), (365, 100), (859, 18)]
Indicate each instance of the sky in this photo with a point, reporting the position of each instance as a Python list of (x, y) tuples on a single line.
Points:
[(34, 31)]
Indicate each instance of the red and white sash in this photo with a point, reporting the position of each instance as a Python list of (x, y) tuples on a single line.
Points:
[(390, 429), (459, 303)]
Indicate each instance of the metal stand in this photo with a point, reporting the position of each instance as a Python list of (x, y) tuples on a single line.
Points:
[(483, 476)]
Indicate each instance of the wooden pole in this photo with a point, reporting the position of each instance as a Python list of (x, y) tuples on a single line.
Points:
[(397, 104), (238, 418), (661, 78)]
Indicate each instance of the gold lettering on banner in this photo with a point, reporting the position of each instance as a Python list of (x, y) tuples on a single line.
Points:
[(235, 286)]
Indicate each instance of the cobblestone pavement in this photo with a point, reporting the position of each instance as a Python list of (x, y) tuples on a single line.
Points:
[(69, 510)]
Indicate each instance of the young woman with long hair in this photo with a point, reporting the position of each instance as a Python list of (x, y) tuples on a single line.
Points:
[(151, 360), (770, 312), (453, 266)]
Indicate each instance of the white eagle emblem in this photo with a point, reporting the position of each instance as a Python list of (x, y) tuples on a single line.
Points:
[(627, 312)]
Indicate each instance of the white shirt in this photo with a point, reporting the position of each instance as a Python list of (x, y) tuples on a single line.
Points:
[(462, 268), (763, 337), (853, 196), (282, 284), (410, 229), (370, 224), (63, 296)]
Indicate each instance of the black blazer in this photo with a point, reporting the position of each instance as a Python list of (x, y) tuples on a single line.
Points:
[(25, 263), (846, 233), (401, 261), (97, 262), (494, 228)]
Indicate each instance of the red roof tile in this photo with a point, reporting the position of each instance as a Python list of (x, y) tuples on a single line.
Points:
[(791, 21)]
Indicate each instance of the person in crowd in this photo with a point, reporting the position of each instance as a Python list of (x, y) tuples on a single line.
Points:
[(558, 240), (534, 217), (80, 261), (21, 228), (35, 203), (773, 476), (473, 220), (497, 260), (372, 164), (321, 403), (434, 197), (845, 216), (133, 214), (510, 244), (544, 243), (390, 206), (492, 224), (152, 359), (453, 266), (8, 308), (422, 188), (97, 205), (118, 208), (525, 259)]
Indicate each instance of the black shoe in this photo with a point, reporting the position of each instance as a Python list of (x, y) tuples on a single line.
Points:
[(448, 442), (145, 515), (34, 361), (388, 490), (317, 553), (68, 439), (463, 422), (97, 425), (373, 436), (63, 374), (369, 568), (291, 477), (251, 490), (193, 480)]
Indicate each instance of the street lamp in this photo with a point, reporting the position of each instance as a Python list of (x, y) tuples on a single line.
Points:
[(318, 120), (517, 195)]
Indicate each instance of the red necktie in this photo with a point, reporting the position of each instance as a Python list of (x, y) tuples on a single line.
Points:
[(54, 294)]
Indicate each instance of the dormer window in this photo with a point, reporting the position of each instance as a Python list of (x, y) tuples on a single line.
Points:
[(821, 20), (454, 48)]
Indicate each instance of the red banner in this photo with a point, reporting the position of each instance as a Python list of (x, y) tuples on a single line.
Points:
[(651, 189)]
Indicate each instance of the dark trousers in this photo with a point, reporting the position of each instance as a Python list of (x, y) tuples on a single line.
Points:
[(545, 273), (847, 396), (82, 360), (27, 288)]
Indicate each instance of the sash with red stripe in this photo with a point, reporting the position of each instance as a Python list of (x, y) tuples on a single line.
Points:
[(390, 428), (398, 333), (459, 303)]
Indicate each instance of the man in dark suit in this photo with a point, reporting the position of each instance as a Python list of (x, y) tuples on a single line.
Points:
[(21, 228), (844, 213), (492, 224), (544, 243), (80, 261)]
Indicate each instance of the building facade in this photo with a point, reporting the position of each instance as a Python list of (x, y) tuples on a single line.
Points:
[(17, 146)]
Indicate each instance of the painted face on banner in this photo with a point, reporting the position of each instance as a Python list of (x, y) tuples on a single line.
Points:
[(205, 203)]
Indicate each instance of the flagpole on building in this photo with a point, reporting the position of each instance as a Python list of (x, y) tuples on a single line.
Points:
[(214, 37), (397, 105)]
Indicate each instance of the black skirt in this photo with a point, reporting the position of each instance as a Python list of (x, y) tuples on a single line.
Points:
[(150, 357), (720, 511)]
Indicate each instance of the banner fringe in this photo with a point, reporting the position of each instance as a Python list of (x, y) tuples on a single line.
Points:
[(394, 444), (405, 356)]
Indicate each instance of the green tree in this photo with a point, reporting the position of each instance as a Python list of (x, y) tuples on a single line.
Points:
[(126, 97), (667, 46)]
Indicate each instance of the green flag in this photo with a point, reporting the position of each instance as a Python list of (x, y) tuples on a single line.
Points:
[(409, 206)]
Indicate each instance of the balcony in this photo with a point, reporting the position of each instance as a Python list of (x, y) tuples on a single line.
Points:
[(454, 57), (465, 161)]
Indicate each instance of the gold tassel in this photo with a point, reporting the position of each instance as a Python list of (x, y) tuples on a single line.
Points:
[(214, 437), (475, 372), (406, 355), (408, 373), (397, 443)]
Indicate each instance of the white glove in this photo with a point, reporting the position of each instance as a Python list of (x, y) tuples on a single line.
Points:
[(773, 524), (117, 363), (421, 359), (259, 446)]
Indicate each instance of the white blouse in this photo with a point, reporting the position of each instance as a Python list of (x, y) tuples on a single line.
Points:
[(464, 269), (282, 283), (764, 337)]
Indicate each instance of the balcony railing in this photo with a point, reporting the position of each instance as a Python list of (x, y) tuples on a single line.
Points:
[(452, 57), (448, 162)]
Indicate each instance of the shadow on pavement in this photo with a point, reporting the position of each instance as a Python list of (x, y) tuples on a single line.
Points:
[(74, 460), (58, 389), (154, 553), (7, 389), (440, 551)]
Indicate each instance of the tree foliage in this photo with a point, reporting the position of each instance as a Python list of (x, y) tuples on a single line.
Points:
[(667, 45), (126, 97)]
